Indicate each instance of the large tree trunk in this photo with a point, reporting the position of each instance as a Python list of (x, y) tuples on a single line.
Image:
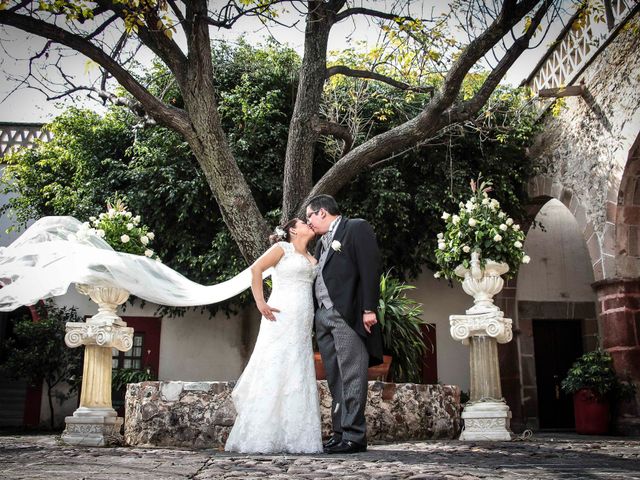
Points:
[(210, 147), (302, 136)]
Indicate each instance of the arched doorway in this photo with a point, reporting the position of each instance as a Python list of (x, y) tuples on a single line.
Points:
[(556, 314)]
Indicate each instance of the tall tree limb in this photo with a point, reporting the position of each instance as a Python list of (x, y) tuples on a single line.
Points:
[(351, 72)]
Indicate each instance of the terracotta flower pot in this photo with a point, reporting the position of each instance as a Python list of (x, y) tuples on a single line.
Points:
[(379, 372), (591, 412)]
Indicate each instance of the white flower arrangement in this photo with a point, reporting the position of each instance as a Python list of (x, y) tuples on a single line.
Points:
[(336, 245), (120, 229), (485, 229)]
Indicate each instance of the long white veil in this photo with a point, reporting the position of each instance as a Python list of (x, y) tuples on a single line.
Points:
[(51, 255)]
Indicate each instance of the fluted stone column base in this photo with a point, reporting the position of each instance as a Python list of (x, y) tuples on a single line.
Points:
[(93, 427), (488, 420)]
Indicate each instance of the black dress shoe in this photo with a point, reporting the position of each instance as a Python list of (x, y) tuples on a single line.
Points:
[(333, 441), (346, 446)]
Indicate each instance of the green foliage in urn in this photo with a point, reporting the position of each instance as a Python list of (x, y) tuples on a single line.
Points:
[(479, 226), (122, 230), (594, 371), (401, 325), (36, 352)]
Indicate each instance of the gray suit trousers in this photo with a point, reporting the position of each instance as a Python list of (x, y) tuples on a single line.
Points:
[(345, 360)]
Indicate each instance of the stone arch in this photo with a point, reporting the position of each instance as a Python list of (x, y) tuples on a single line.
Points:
[(542, 188), (619, 293)]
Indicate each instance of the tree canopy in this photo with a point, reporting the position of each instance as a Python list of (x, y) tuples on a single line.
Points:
[(435, 69), (93, 157)]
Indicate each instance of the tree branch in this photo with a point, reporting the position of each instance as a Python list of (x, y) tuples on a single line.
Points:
[(468, 108), (372, 13), (325, 127), (350, 72), (165, 114)]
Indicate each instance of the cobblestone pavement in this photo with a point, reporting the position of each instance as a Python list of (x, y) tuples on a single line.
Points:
[(542, 457)]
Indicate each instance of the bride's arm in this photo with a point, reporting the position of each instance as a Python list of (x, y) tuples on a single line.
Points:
[(269, 259)]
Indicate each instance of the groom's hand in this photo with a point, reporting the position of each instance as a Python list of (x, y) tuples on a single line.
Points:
[(267, 311), (369, 320)]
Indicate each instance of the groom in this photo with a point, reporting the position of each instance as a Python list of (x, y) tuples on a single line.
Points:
[(347, 331)]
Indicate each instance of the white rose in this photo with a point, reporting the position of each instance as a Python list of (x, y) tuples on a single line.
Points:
[(111, 212), (466, 249), (102, 215), (158, 260), (497, 238), (441, 246), (100, 233), (336, 245), (445, 216), (144, 240), (461, 205), (455, 219), (151, 235), (148, 252), (502, 215), (124, 238), (127, 214), (526, 259), (440, 236), (436, 275), (503, 227), (485, 201), (516, 227), (129, 226), (92, 219), (509, 221), (472, 222), (136, 219), (517, 244)]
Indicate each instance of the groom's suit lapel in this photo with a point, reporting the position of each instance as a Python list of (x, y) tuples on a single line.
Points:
[(339, 235)]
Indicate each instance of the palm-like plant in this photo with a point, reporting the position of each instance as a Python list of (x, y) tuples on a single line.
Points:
[(401, 325)]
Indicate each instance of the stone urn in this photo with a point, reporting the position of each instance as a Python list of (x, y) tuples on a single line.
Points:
[(486, 415)]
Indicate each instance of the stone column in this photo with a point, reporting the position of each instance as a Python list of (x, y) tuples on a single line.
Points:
[(619, 302), (486, 416), (95, 422)]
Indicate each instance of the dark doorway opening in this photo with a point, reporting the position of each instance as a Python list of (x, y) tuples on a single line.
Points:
[(557, 344)]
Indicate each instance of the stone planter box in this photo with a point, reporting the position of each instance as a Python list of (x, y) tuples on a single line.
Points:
[(201, 414)]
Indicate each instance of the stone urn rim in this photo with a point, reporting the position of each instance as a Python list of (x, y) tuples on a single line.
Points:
[(491, 268)]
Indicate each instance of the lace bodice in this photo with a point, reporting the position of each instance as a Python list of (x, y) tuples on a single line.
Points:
[(293, 268)]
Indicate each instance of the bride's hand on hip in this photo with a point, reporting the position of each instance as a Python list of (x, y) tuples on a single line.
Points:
[(267, 311)]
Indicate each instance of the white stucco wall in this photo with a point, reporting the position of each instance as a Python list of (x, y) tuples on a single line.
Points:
[(438, 302), (560, 269)]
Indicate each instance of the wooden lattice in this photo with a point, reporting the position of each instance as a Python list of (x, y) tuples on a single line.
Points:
[(17, 135), (575, 47)]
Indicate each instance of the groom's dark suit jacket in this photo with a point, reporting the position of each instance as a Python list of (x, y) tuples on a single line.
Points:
[(352, 277)]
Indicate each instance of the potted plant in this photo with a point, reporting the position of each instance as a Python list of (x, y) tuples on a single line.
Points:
[(594, 384), (401, 325)]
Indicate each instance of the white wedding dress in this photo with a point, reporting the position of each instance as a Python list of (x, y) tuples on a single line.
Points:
[(276, 397)]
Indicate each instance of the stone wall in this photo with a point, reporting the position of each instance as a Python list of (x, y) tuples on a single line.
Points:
[(201, 414), (585, 148)]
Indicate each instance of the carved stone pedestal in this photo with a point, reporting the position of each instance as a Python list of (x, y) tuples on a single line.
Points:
[(486, 421), (95, 422), (486, 416)]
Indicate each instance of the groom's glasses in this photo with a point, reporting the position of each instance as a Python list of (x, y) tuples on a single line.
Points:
[(315, 212)]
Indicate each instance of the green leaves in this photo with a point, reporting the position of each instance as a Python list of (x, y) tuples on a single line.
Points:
[(594, 370), (401, 324)]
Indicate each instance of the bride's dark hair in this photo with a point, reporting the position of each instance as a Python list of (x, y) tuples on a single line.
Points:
[(282, 232)]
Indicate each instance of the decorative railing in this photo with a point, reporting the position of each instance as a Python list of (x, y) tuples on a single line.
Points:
[(17, 135), (585, 33)]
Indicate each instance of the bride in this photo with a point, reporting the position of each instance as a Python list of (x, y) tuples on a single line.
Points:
[(276, 397)]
